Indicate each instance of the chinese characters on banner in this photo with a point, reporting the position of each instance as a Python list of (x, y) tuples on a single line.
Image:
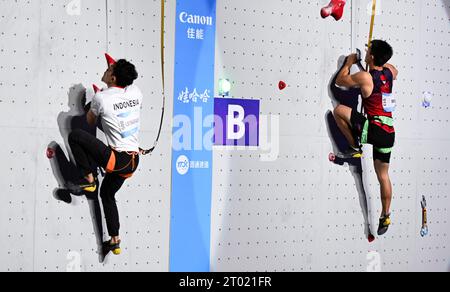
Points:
[(193, 96), (190, 226)]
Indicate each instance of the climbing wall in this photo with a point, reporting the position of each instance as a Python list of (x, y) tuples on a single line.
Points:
[(282, 207), (50, 53), (299, 212)]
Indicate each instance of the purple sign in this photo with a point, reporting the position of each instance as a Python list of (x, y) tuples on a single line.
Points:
[(236, 122)]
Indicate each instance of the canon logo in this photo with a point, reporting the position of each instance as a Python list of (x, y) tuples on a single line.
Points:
[(196, 19)]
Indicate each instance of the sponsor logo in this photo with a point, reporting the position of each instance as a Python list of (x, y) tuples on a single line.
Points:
[(195, 19), (182, 165)]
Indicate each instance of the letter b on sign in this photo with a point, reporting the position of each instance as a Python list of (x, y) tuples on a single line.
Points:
[(236, 122)]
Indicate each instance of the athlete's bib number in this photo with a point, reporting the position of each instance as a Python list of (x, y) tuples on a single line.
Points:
[(389, 102)]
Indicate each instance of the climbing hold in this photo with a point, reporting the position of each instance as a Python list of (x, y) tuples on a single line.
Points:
[(335, 9), (109, 60), (332, 157), (50, 153), (427, 99), (96, 89), (224, 87), (282, 85)]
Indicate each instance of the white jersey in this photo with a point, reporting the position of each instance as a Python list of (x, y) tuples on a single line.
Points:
[(119, 110)]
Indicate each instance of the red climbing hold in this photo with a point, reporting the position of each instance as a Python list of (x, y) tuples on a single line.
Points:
[(335, 9), (110, 60), (50, 153), (332, 157), (96, 89), (282, 85), (371, 238)]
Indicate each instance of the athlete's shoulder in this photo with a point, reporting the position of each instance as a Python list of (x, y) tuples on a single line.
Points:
[(134, 88), (98, 102), (365, 80), (133, 91), (391, 68), (363, 77), (99, 98), (103, 93)]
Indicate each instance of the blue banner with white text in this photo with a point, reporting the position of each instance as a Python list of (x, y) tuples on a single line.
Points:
[(192, 136)]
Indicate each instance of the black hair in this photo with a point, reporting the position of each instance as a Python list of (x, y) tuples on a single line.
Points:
[(381, 51), (125, 73)]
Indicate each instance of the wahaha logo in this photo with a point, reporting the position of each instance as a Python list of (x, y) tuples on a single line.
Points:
[(182, 165), (194, 96), (195, 19)]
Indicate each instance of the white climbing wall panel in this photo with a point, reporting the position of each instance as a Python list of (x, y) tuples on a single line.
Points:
[(297, 212), (50, 50), (300, 212)]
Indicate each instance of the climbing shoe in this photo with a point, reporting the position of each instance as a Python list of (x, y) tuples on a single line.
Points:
[(351, 153), (82, 186), (385, 222), (115, 248)]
